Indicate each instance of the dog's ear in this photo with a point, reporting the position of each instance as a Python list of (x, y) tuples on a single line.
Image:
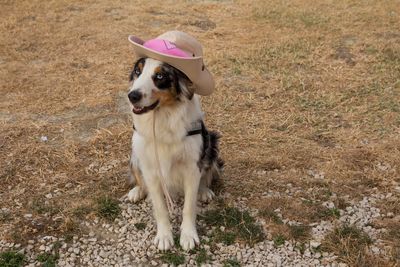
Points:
[(186, 86)]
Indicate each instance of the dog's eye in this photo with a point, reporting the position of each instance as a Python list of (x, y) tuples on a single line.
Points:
[(159, 76), (137, 72)]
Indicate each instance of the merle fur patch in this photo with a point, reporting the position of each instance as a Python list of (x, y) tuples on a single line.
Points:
[(209, 157)]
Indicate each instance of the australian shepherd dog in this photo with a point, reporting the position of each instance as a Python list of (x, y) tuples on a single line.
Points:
[(170, 140)]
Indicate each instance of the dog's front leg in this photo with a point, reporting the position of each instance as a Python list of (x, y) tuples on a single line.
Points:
[(189, 237), (163, 239)]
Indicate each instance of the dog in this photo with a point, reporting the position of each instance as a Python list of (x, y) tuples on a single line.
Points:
[(188, 153)]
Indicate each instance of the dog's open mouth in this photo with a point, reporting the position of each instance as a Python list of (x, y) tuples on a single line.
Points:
[(141, 110)]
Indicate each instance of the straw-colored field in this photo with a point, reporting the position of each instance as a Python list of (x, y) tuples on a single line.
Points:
[(308, 94)]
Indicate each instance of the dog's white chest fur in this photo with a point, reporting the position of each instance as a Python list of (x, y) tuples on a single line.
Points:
[(175, 149)]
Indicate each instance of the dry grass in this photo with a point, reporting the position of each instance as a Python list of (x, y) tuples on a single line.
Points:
[(349, 243), (300, 86)]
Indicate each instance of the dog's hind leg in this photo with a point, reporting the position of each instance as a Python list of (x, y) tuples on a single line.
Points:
[(210, 178), (135, 178), (211, 167), (189, 237)]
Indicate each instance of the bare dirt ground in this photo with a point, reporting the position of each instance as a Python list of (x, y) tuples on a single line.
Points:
[(307, 101)]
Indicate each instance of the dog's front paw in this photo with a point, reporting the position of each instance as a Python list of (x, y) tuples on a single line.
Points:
[(206, 194), (164, 240), (136, 194), (189, 239)]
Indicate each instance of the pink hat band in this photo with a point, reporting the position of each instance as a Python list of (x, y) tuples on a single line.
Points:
[(165, 47)]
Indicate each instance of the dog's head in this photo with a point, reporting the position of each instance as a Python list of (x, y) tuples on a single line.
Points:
[(155, 84)]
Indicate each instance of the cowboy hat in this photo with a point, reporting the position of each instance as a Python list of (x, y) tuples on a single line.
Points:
[(181, 51)]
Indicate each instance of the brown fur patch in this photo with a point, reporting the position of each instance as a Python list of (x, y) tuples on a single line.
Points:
[(166, 97), (158, 69), (141, 66)]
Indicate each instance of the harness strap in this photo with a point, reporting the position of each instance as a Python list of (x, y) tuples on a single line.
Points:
[(197, 128), (193, 132)]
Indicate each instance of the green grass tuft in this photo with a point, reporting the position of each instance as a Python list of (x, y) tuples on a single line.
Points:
[(330, 213), (81, 212), (47, 259), (301, 247), (108, 208), (201, 257), (299, 232), (11, 259), (5, 216), (228, 238), (140, 226), (271, 215), (42, 206), (279, 240), (173, 258), (237, 224), (177, 241), (352, 232), (231, 263)]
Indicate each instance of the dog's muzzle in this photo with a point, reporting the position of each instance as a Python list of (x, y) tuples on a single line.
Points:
[(140, 110), (135, 96)]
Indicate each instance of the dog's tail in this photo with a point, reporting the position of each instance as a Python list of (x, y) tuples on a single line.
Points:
[(215, 163)]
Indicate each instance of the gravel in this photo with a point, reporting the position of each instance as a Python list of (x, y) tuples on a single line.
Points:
[(122, 243)]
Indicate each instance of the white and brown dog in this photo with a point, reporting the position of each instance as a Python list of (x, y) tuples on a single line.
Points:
[(187, 151)]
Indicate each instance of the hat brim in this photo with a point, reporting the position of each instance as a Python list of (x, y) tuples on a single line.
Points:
[(192, 67)]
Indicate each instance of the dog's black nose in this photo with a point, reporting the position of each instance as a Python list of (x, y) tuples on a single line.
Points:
[(135, 96)]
